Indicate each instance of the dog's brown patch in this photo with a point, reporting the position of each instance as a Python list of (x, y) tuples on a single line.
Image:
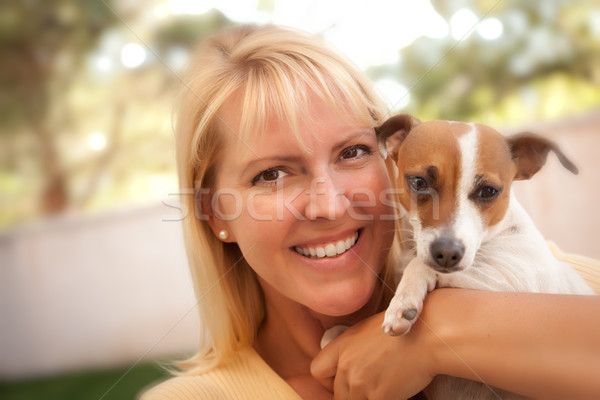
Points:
[(494, 167), (431, 151)]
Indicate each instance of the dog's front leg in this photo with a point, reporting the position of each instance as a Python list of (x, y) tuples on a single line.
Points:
[(404, 309)]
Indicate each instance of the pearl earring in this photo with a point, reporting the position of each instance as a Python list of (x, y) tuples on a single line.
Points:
[(223, 235)]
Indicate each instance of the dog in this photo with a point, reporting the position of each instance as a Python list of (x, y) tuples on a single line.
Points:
[(468, 229)]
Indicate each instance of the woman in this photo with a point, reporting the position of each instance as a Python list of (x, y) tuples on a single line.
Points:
[(293, 232)]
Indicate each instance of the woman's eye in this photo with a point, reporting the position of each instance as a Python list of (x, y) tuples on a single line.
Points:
[(270, 175), (355, 152), (417, 184)]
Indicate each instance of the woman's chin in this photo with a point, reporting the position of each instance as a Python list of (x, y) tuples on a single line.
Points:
[(344, 304)]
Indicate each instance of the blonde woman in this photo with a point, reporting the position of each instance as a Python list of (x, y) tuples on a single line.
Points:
[(292, 230)]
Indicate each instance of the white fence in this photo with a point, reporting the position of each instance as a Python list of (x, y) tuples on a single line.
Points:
[(94, 291)]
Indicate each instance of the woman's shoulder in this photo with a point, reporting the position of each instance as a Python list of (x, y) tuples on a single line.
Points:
[(184, 388), (244, 376)]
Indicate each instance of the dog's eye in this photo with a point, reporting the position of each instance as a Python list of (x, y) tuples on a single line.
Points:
[(417, 184), (487, 193)]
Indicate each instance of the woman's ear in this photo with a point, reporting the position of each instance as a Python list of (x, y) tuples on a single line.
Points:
[(219, 227)]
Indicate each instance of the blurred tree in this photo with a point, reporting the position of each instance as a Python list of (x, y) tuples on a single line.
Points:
[(544, 46), (41, 43), (56, 93), (187, 30)]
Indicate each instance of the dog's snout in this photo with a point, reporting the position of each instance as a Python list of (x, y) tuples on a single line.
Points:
[(447, 252)]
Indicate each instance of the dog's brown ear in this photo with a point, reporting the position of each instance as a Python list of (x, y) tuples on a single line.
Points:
[(529, 152), (392, 133)]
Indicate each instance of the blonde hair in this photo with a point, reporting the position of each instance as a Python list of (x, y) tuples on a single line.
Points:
[(271, 70)]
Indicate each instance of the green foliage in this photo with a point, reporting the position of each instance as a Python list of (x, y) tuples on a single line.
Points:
[(186, 31), (114, 384), (543, 40), (40, 40), (55, 96)]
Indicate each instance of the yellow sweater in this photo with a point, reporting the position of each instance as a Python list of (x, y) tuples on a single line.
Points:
[(245, 377), (587, 267), (248, 377)]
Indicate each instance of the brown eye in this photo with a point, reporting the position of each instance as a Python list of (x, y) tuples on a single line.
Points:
[(487, 193), (350, 153), (353, 152), (269, 176), (417, 184)]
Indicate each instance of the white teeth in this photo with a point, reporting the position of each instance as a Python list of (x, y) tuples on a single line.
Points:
[(330, 249), (349, 242)]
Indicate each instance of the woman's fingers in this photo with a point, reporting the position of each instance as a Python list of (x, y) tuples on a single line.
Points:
[(341, 389), (324, 365), (365, 363)]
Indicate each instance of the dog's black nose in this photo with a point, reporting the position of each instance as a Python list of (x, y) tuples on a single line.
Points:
[(447, 252)]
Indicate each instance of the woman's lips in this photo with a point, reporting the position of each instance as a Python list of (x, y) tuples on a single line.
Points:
[(332, 249)]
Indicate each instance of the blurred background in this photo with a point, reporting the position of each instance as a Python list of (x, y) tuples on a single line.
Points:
[(94, 288)]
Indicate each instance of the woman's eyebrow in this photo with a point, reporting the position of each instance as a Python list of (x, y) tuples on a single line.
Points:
[(273, 159), (354, 137), (293, 158)]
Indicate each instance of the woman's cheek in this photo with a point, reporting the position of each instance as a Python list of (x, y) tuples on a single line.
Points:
[(370, 196), (279, 205), (364, 204), (227, 204), (260, 206)]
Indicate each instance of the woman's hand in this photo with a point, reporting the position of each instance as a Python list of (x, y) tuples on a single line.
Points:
[(365, 363), (536, 345)]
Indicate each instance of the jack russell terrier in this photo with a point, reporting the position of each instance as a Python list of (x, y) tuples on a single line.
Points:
[(468, 229)]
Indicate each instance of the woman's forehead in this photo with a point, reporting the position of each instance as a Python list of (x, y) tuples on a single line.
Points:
[(248, 121)]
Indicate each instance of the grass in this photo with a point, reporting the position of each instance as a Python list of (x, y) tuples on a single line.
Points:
[(113, 384)]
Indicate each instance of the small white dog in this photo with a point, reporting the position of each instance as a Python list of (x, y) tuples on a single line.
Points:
[(468, 228)]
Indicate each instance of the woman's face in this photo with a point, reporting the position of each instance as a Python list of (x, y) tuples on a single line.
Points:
[(315, 225)]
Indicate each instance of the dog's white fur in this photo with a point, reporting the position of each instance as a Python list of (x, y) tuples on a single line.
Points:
[(509, 256)]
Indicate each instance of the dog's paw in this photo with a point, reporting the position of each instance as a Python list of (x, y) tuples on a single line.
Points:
[(401, 315)]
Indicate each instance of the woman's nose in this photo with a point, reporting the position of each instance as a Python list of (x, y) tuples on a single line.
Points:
[(326, 200)]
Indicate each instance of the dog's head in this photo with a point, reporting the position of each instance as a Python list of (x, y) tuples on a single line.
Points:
[(455, 180)]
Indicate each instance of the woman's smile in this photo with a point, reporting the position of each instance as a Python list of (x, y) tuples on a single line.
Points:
[(330, 249)]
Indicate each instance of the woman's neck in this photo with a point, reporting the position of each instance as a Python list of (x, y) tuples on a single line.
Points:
[(290, 334)]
